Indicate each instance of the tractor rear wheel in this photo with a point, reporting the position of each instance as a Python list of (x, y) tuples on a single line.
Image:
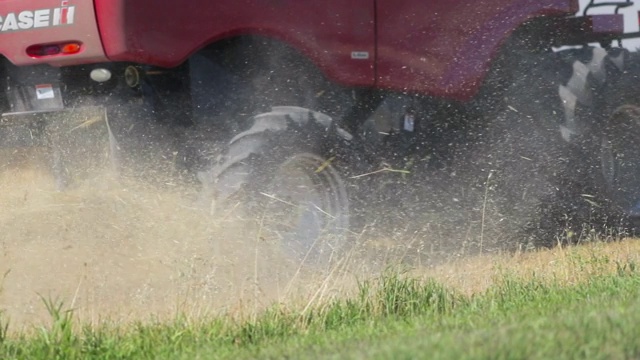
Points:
[(617, 155), (544, 147)]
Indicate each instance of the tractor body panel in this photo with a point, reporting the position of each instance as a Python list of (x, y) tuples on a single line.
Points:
[(431, 47), (338, 35), (444, 48), (27, 24)]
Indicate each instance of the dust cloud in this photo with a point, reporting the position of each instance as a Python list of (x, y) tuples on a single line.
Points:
[(125, 250)]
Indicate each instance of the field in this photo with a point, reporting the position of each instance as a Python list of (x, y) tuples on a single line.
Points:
[(108, 271), (581, 303)]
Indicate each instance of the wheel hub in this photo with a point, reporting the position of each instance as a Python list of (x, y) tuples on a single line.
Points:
[(305, 210)]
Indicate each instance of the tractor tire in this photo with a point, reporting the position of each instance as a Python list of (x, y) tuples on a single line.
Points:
[(287, 172), (539, 154), (615, 153)]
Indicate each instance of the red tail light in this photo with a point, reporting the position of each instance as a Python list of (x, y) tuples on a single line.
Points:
[(70, 48), (42, 50)]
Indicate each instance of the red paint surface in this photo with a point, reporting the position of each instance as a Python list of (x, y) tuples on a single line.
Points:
[(440, 48), (14, 44), (444, 48), (165, 33)]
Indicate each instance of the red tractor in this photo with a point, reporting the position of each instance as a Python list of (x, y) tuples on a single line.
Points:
[(297, 107)]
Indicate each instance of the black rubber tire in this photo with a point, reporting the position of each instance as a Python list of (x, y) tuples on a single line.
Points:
[(614, 151), (619, 159), (539, 150), (308, 144)]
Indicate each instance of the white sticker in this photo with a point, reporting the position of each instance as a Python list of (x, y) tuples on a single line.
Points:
[(35, 19), (409, 123), (360, 55), (45, 91)]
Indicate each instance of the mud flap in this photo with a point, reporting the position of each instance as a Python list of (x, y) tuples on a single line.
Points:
[(81, 145), (78, 143)]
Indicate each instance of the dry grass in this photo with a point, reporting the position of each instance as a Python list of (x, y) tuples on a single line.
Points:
[(129, 251), (568, 265)]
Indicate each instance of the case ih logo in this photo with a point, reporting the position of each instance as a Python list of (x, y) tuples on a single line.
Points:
[(33, 19)]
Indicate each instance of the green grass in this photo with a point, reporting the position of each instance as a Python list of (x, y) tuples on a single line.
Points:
[(393, 317)]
